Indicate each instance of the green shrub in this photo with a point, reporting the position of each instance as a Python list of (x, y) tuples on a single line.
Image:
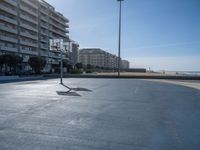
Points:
[(76, 71)]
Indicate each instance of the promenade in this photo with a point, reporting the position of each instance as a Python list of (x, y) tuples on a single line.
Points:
[(99, 114)]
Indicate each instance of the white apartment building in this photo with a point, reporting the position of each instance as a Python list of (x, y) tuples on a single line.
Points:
[(26, 26), (98, 57)]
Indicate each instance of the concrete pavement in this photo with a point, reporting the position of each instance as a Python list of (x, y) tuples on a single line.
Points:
[(101, 114)]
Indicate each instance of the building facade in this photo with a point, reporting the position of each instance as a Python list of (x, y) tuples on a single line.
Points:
[(125, 64), (74, 53), (98, 57), (26, 26)]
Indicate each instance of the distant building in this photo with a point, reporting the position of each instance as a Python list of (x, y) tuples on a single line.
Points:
[(26, 26), (125, 64), (74, 53), (98, 57), (93, 56)]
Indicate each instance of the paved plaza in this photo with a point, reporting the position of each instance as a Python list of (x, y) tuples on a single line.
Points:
[(99, 114)]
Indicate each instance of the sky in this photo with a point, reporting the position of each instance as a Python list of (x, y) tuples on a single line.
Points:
[(156, 34)]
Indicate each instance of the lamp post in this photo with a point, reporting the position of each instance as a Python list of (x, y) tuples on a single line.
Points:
[(119, 42), (61, 67)]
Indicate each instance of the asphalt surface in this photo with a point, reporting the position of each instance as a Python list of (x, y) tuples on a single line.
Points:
[(99, 114)]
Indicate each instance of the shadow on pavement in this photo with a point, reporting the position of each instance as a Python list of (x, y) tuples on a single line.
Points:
[(68, 93), (77, 89)]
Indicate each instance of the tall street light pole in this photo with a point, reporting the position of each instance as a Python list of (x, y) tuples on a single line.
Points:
[(119, 42)]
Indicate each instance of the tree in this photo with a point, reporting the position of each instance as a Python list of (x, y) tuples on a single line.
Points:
[(67, 64), (89, 66), (79, 65), (37, 63), (1, 62), (7, 60), (10, 61)]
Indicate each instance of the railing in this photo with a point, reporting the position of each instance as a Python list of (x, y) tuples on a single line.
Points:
[(8, 39), (43, 33), (35, 37), (8, 29), (30, 4), (27, 51), (44, 25), (29, 11), (54, 55), (28, 43), (10, 49), (58, 20), (43, 18), (12, 2), (43, 46), (4, 18), (44, 53), (9, 10), (28, 27), (44, 40), (44, 12), (28, 19)]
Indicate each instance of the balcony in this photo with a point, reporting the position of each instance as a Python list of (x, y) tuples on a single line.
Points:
[(51, 36), (6, 19), (44, 53), (64, 30), (42, 46), (8, 29), (28, 43), (8, 39), (53, 23), (28, 27), (10, 49), (59, 27), (44, 12), (28, 11), (8, 10), (60, 34), (28, 19), (44, 40), (58, 20), (11, 2), (35, 37), (53, 29), (44, 33), (54, 55), (27, 51), (44, 26), (30, 4), (44, 18)]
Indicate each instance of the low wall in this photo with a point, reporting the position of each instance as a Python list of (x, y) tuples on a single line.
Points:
[(8, 78)]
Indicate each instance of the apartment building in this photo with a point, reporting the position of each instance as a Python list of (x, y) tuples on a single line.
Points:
[(74, 52), (26, 26), (95, 57), (98, 57), (125, 64)]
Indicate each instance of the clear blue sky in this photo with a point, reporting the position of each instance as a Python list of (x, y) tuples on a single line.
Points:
[(161, 34)]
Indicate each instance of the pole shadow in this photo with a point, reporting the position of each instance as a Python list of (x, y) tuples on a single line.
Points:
[(77, 89), (67, 93)]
